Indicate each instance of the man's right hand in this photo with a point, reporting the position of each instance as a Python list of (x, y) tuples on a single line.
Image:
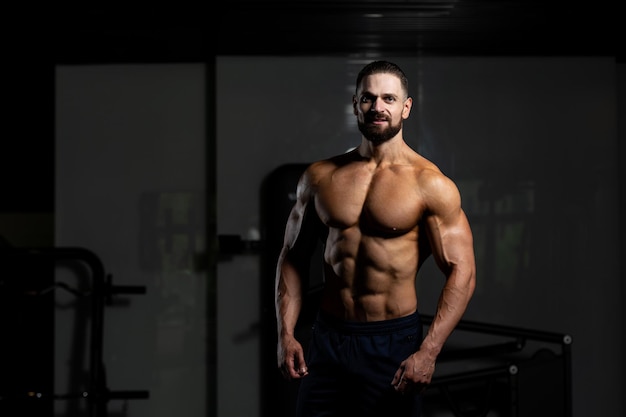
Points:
[(291, 359)]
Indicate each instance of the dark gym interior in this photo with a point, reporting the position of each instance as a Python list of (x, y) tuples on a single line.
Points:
[(491, 368)]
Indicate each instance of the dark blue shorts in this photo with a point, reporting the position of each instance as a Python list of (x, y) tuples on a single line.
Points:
[(351, 366)]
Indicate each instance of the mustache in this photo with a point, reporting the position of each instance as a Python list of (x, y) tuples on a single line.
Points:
[(375, 116)]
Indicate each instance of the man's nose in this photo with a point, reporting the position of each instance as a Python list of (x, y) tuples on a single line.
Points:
[(377, 105)]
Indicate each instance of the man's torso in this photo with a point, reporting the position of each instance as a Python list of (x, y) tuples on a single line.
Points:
[(374, 217)]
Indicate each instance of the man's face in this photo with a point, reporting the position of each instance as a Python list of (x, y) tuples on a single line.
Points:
[(381, 106)]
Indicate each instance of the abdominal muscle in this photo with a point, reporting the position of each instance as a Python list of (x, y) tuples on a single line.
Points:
[(370, 278)]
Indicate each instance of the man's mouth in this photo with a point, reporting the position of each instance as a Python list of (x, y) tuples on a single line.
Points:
[(377, 119)]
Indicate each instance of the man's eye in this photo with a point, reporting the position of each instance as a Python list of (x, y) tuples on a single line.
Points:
[(390, 99), (365, 99)]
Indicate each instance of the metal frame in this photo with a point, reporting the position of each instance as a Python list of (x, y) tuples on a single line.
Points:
[(101, 290), (520, 337)]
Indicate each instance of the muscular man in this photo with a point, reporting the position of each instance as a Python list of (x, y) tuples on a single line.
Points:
[(381, 210)]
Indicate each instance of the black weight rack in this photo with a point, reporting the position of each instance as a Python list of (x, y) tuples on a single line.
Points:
[(27, 287), (512, 372)]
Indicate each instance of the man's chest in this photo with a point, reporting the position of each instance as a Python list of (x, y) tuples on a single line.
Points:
[(385, 203)]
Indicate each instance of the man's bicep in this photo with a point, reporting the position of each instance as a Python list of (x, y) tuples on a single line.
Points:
[(461, 242), (294, 223), (451, 242), (448, 229), (306, 234)]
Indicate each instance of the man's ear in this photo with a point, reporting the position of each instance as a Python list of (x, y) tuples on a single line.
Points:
[(408, 103), (354, 104)]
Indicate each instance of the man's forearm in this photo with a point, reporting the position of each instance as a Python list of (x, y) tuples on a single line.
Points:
[(287, 297), (451, 306)]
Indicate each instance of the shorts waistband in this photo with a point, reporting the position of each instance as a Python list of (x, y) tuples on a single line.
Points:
[(370, 327)]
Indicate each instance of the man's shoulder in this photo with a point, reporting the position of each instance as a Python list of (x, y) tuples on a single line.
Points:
[(316, 171), (436, 188), (330, 164), (424, 164)]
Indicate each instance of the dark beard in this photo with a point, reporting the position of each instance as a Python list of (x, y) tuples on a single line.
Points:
[(377, 136)]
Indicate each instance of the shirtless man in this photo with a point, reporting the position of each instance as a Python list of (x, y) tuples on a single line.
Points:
[(381, 210)]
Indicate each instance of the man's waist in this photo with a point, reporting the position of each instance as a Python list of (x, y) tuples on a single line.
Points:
[(390, 325)]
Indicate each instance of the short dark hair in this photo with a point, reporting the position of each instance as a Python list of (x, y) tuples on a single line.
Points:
[(383, 67)]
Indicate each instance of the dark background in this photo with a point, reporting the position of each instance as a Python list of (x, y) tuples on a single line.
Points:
[(38, 38)]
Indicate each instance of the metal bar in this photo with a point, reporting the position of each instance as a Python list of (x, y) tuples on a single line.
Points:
[(506, 330), (471, 375), (567, 383), (481, 351), (96, 398)]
